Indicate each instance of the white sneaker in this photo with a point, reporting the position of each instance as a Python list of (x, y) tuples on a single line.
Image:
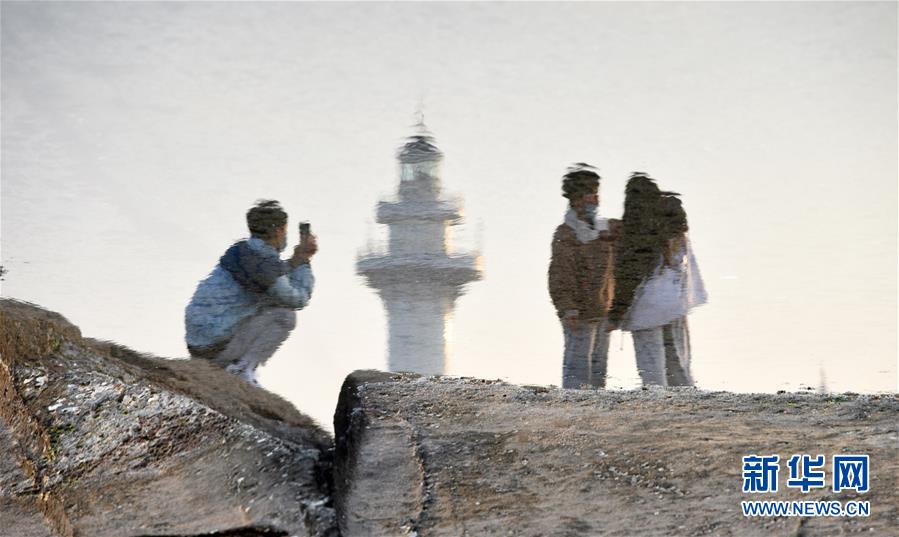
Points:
[(240, 369), (250, 376), (235, 369)]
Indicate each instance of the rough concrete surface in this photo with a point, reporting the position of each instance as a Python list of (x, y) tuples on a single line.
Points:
[(97, 440), (454, 457), (102, 441), (20, 513)]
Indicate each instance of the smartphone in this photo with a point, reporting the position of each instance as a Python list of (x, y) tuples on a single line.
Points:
[(304, 230)]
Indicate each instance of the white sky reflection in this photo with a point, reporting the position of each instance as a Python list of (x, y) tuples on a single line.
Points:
[(136, 135)]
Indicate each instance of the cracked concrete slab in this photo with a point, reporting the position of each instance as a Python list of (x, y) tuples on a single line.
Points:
[(476, 457)]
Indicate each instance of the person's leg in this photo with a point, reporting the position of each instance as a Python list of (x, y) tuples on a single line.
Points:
[(599, 358), (677, 353), (255, 340), (575, 361), (280, 323), (649, 348), (230, 357)]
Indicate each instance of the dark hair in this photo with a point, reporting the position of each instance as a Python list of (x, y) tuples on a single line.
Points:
[(641, 202), (651, 218), (673, 216), (580, 180), (265, 217)]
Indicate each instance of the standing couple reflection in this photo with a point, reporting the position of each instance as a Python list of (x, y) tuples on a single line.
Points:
[(636, 274)]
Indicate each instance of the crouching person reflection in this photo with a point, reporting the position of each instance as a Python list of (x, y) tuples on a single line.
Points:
[(581, 280), (245, 309), (657, 283)]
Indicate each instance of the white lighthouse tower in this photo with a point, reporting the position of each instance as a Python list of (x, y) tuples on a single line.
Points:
[(419, 276)]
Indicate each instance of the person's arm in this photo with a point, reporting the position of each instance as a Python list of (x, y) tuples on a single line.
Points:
[(295, 289), (610, 238), (613, 231), (562, 281)]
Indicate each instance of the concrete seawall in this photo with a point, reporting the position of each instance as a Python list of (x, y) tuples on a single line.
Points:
[(451, 457), (101, 441)]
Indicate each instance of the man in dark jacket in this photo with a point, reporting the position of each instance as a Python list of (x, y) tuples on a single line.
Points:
[(242, 312), (581, 280)]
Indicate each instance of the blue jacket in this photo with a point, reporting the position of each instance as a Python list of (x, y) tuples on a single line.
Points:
[(250, 275)]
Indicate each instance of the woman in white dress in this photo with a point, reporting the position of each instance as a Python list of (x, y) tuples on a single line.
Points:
[(657, 282)]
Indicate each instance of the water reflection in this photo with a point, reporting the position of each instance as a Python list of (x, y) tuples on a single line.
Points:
[(638, 274), (134, 139), (419, 275)]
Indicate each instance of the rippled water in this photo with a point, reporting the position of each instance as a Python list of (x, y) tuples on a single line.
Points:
[(135, 136)]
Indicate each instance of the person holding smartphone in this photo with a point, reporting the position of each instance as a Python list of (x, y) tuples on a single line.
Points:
[(245, 309)]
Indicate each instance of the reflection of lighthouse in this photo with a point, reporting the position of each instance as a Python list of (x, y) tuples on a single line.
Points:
[(419, 277)]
